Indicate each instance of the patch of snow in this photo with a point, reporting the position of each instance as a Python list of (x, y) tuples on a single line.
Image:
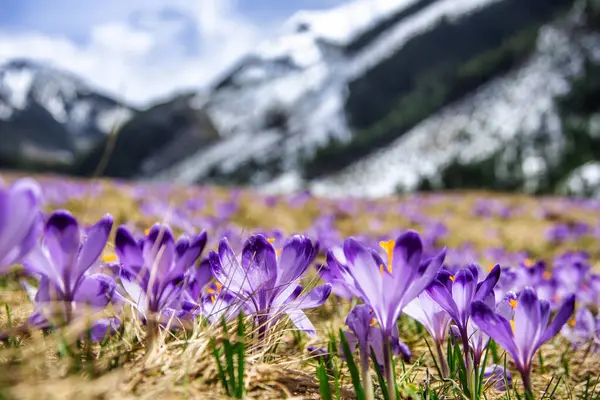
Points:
[(584, 180), (518, 103), (342, 23), (16, 84), (113, 118)]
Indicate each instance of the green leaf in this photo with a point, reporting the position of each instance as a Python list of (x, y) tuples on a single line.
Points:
[(380, 377), (360, 393), (324, 387), (220, 370)]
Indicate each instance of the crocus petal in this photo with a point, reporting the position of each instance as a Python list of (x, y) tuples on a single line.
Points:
[(38, 262), (128, 251), (19, 211), (295, 258), (485, 287), (426, 274), (314, 298), (260, 265), (359, 321), (528, 321), (136, 291), (228, 269), (103, 328), (463, 290), (158, 251), (95, 290), (504, 307), (563, 315), (62, 239), (301, 321), (92, 247), (406, 261), (365, 272), (352, 343), (495, 327), (440, 294), (188, 256)]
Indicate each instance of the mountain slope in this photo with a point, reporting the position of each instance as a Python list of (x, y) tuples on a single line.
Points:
[(319, 98), (48, 117)]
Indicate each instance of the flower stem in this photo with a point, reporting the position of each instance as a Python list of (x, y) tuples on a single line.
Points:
[(468, 365), (526, 375), (442, 359), (365, 376), (151, 333), (387, 367)]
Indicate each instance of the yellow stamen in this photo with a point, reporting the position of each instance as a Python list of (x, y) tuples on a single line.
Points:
[(547, 275), (381, 267), (219, 286), (278, 252), (389, 250), (452, 278), (572, 322), (528, 263), (271, 240), (491, 267), (210, 290), (213, 299), (108, 258), (146, 232), (512, 324), (513, 303)]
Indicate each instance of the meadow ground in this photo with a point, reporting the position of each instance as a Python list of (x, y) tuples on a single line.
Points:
[(488, 228)]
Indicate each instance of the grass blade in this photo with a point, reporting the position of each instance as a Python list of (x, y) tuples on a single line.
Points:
[(360, 394)]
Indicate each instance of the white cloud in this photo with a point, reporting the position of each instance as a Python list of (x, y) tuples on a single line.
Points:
[(147, 60)]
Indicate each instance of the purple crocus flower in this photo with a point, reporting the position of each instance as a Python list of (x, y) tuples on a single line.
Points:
[(582, 329), (153, 271), (369, 338), (266, 281), (456, 295), (21, 221), (387, 287), (63, 260), (498, 376), (433, 318), (478, 340), (522, 336)]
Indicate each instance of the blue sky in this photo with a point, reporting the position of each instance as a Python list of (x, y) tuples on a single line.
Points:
[(142, 49)]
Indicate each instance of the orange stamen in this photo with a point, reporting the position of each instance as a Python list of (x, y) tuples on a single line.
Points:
[(373, 320), (108, 258), (271, 240), (513, 303), (452, 278), (547, 275), (389, 250), (146, 232), (528, 263), (572, 322), (491, 267)]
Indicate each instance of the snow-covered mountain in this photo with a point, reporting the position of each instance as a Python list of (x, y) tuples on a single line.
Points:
[(336, 78), (367, 99), (50, 116)]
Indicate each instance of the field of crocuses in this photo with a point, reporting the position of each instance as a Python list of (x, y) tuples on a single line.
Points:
[(124, 290)]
